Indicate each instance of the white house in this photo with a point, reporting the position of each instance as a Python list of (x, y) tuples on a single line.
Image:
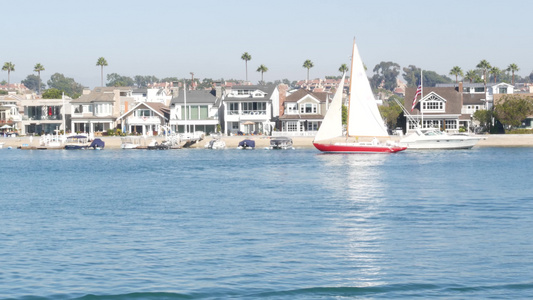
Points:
[(145, 118), (250, 109)]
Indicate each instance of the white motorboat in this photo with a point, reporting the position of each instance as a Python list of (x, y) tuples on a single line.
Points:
[(215, 144), (130, 142), (435, 139)]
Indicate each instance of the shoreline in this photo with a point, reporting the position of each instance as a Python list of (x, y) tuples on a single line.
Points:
[(114, 142)]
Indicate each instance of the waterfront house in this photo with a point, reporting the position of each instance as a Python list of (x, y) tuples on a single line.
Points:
[(250, 109), (146, 118), (447, 108), (98, 110), (9, 110), (197, 110), (45, 116), (301, 113)]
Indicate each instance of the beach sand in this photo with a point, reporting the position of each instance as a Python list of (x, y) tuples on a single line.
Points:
[(500, 140)]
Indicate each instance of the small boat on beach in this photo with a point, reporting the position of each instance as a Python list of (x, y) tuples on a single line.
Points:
[(246, 144), (77, 142), (97, 144), (130, 142), (154, 145), (281, 143), (215, 144)]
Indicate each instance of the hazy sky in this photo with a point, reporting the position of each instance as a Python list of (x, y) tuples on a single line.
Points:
[(173, 38)]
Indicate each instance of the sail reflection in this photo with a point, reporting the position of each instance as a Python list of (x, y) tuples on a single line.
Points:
[(356, 185)]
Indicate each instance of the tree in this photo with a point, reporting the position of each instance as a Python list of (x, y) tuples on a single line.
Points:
[(343, 69), (102, 63), (65, 84), (52, 94), (456, 71), (431, 78), (8, 66), (513, 68), (484, 117), (308, 64), (117, 80), (390, 111), (246, 57), (495, 72), (472, 76), (33, 82), (262, 69), (38, 68), (484, 66), (385, 75), (513, 109)]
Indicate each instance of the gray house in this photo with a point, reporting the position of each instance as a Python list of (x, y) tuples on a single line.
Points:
[(196, 110)]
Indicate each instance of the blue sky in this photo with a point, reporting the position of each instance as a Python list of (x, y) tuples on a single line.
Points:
[(173, 38)]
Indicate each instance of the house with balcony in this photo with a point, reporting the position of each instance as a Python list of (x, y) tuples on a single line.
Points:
[(146, 118), (44, 116), (97, 110), (302, 113), (9, 110), (250, 109), (196, 110)]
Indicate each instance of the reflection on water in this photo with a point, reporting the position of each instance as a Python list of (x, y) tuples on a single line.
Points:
[(357, 182)]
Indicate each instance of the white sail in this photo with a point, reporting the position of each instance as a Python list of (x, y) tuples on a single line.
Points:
[(331, 127), (364, 118)]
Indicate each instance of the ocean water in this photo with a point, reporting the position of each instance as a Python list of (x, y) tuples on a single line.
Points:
[(295, 224)]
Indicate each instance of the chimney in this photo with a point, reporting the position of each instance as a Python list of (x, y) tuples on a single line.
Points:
[(283, 88), (461, 92)]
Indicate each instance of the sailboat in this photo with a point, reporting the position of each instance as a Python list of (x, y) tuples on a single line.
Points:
[(364, 119)]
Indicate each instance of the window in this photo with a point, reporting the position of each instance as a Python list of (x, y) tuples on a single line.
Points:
[(292, 126), (431, 124), (143, 113), (451, 124), (233, 108), (243, 92), (433, 104), (203, 112), (503, 90), (308, 108), (479, 90), (292, 108)]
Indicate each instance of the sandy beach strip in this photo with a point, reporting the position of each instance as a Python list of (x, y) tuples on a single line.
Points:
[(500, 140)]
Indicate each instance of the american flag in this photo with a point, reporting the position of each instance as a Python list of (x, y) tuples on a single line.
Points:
[(418, 92)]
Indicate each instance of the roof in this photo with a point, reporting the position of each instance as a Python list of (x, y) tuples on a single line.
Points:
[(95, 97), (268, 89), (196, 96), (301, 93), (157, 107), (452, 97)]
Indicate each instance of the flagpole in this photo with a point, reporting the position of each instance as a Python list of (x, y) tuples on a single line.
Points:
[(421, 96)]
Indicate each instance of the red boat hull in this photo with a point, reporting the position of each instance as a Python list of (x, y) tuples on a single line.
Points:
[(358, 148)]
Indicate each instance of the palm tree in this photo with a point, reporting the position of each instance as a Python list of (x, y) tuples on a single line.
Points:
[(343, 69), (456, 71), (246, 57), (484, 66), (308, 65), (8, 66), (495, 72), (102, 63), (471, 75), (38, 68), (513, 68), (262, 69)]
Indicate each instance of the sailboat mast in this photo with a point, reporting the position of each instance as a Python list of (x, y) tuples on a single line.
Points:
[(185, 107), (350, 92)]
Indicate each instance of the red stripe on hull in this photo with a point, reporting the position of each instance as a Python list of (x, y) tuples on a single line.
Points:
[(336, 148)]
